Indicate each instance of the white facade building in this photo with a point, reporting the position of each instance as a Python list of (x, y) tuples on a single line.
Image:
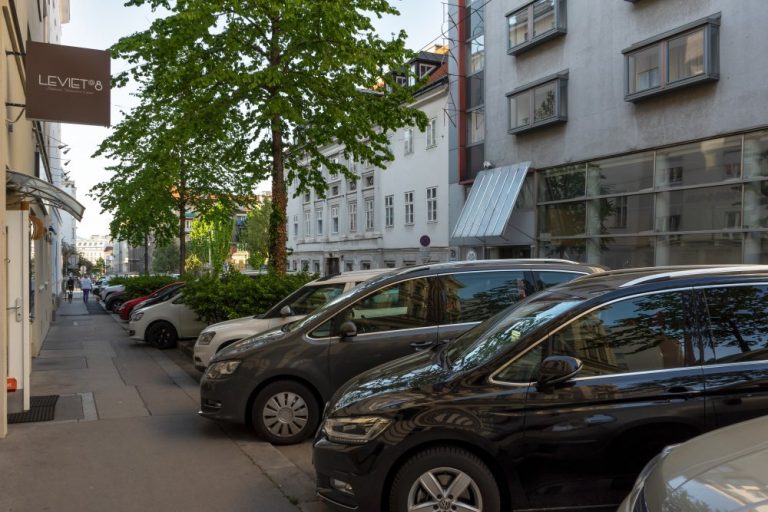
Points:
[(392, 217), (93, 248)]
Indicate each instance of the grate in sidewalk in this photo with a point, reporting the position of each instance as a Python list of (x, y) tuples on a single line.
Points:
[(42, 408)]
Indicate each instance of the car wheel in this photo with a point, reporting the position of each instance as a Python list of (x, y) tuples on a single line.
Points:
[(444, 478), (114, 305), (285, 412), (162, 335)]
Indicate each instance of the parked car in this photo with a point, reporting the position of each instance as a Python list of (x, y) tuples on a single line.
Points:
[(294, 307), (105, 292), (277, 381), (99, 284), (166, 291), (724, 470), (164, 323), (114, 300), (555, 403)]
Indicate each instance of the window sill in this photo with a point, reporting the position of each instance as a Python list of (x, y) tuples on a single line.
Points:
[(536, 41), (539, 124), (680, 84)]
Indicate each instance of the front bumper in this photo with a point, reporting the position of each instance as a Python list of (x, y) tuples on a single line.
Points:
[(226, 399), (202, 356), (361, 466)]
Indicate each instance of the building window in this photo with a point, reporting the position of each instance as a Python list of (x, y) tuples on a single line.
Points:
[(316, 266), (335, 189), (351, 185), (408, 208), (476, 126), (476, 62), (408, 141), (432, 133), (306, 196), (432, 204), (365, 265), (319, 222), (334, 220), (352, 208), (369, 214), (368, 180), (294, 265), (534, 24), (685, 56), (305, 265), (401, 80), (389, 264), (389, 211), (295, 226), (541, 103), (307, 224), (425, 69), (348, 266)]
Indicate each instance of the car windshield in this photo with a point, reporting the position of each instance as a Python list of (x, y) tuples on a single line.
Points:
[(480, 344), (349, 295)]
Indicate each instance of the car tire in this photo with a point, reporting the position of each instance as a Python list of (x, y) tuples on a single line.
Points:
[(162, 335), (113, 305), (285, 412), (426, 479)]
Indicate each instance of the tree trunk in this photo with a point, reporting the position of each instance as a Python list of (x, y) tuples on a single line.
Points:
[(278, 234), (146, 255), (182, 218)]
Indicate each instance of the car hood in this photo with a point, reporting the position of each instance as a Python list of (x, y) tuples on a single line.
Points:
[(410, 380), (726, 469), (254, 325), (246, 346)]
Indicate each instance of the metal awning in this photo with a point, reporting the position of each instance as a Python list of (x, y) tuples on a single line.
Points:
[(26, 185), (490, 203)]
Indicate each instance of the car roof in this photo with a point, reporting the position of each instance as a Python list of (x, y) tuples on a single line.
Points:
[(353, 276), (501, 264)]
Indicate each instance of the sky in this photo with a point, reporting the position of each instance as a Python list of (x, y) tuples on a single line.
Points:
[(99, 24)]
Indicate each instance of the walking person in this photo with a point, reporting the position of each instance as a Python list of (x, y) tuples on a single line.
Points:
[(86, 284), (70, 287)]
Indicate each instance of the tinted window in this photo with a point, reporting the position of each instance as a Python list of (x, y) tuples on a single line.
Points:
[(312, 297), (403, 305), (547, 278), (738, 329), (476, 296), (637, 334)]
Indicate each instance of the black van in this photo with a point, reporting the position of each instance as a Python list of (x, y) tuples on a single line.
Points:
[(278, 380), (557, 402)]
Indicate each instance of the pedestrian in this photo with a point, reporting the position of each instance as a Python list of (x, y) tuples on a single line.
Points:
[(70, 287), (86, 284)]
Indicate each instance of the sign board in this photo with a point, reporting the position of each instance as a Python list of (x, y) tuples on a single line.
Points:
[(425, 241), (67, 84)]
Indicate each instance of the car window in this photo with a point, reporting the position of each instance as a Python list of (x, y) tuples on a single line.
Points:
[(477, 296), (644, 333), (312, 297), (404, 305), (547, 278), (738, 324)]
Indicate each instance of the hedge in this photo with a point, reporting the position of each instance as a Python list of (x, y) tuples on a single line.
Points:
[(140, 286)]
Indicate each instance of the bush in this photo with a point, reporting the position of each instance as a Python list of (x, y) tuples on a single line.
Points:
[(140, 286), (235, 295)]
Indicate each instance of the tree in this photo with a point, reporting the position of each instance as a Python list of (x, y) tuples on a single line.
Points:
[(211, 237), (293, 75), (100, 265), (255, 235), (166, 257)]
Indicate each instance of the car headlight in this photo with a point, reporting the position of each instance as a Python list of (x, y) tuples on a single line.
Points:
[(205, 338), (222, 369), (357, 430), (137, 316)]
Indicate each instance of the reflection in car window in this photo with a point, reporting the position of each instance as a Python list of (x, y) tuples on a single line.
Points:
[(636, 334), (313, 297), (481, 343), (404, 305), (548, 278), (476, 296), (738, 330)]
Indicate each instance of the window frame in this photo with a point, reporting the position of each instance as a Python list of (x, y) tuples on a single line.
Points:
[(352, 211), (408, 207), (432, 133), (369, 213), (308, 223), (319, 218), (335, 219), (558, 30), (408, 141), (432, 204), (389, 211), (711, 58), (560, 109)]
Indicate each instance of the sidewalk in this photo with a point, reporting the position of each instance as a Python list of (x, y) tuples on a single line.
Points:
[(126, 435)]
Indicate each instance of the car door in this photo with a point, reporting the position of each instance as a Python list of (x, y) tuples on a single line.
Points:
[(471, 297), (391, 322), (640, 388), (188, 323), (736, 351)]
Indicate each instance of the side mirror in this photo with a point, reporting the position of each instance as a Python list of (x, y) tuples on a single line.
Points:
[(348, 329), (557, 369), (286, 311)]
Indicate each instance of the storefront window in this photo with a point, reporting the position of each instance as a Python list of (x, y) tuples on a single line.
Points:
[(756, 204), (575, 250), (562, 183), (622, 252), (565, 219), (620, 215), (756, 248), (699, 249), (699, 209), (756, 155), (710, 161), (633, 173)]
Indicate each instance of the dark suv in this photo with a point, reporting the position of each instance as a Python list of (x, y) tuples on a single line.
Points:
[(557, 402), (278, 380)]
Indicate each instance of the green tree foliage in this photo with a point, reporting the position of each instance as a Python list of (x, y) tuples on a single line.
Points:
[(286, 77), (211, 236), (255, 234), (100, 266), (235, 295), (166, 257)]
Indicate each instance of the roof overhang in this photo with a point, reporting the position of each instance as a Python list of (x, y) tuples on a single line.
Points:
[(29, 186), (486, 213)]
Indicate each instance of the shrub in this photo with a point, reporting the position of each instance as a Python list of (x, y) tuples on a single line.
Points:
[(139, 286), (235, 295)]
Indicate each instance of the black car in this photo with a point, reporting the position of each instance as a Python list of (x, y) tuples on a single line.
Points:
[(555, 403), (278, 380)]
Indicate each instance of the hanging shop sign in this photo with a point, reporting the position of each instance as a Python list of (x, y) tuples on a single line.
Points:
[(67, 84)]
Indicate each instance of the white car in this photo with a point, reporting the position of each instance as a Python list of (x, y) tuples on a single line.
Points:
[(294, 307), (164, 323), (725, 470)]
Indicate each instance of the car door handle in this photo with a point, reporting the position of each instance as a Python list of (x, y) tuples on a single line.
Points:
[(422, 345)]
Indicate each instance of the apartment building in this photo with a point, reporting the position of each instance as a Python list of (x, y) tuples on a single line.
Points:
[(391, 217), (629, 134)]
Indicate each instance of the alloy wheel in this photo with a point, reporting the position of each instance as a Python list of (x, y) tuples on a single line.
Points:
[(285, 414), (445, 489)]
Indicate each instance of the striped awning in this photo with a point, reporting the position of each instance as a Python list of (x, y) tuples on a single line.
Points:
[(490, 203)]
